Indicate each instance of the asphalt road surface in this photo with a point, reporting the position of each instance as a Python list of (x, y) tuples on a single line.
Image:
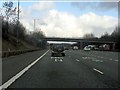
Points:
[(78, 69)]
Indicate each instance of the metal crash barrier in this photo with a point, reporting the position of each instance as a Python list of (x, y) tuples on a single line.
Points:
[(16, 52)]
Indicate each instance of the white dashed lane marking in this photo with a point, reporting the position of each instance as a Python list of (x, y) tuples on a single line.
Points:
[(77, 60), (98, 71), (116, 60), (110, 59), (99, 57), (97, 60)]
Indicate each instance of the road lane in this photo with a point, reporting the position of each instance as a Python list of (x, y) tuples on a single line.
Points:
[(110, 68), (73, 71), (12, 65), (48, 73), (102, 54)]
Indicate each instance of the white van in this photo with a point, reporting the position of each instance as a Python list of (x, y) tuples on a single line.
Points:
[(86, 48), (75, 48)]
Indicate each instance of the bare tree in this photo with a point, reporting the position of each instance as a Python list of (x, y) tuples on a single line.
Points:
[(116, 32), (89, 36), (9, 12)]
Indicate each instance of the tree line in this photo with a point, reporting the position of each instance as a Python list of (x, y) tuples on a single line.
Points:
[(114, 36), (12, 27)]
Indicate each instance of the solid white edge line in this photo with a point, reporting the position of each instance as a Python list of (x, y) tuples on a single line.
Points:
[(10, 81), (98, 71)]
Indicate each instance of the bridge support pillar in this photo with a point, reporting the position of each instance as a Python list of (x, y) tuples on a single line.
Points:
[(113, 46), (81, 45)]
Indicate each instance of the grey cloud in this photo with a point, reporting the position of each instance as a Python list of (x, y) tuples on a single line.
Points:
[(103, 6), (108, 5)]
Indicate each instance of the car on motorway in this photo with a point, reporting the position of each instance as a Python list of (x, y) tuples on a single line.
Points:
[(92, 47), (86, 48), (96, 48), (58, 50), (66, 48), (75, 47)]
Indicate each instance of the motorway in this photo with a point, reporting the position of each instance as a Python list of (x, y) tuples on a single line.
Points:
[(78, 69)]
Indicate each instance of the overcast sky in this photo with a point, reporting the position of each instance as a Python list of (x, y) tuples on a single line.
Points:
[(69, 19)]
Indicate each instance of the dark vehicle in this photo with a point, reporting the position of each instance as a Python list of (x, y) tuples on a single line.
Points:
[(58, 50), (66, 48)]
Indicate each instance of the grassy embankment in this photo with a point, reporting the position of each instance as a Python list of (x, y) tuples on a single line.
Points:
[(11, 44)]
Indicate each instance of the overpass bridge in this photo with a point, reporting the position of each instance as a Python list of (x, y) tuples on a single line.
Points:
[(83, 42)]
